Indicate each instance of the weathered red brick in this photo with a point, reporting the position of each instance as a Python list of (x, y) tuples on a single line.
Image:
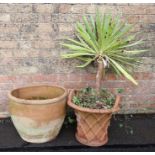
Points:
[(8, 44), (7, 79), (43, 44), (88, 77), (134, 9), (62, 77), (75, 85), (75, 77), (64, 8), (43, 8), (110, 77), (150, 9)]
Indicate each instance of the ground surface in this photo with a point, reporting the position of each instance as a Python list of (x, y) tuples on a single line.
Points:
[(126, 133)]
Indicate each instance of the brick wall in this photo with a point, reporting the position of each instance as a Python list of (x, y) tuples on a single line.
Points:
[(30, 51)]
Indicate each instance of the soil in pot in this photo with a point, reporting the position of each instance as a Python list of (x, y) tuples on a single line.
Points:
[(93, 114), (88, 98), (38, 112)]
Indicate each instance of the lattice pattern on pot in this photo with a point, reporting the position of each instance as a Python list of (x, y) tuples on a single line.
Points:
[(92, 127)]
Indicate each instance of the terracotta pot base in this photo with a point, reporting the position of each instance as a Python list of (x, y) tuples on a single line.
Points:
[(35, 140), (85, 142), (92, 128)]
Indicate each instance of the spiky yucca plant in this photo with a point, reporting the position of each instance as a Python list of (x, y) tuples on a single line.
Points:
[(105, 40)]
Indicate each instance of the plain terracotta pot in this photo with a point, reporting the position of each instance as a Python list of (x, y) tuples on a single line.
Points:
[(38, 121), (92, 124)]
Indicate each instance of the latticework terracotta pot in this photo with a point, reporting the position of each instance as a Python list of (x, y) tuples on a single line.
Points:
[(92, 124)]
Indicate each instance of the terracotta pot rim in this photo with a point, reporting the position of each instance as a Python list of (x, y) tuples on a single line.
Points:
[(115, 108), (37, 102)]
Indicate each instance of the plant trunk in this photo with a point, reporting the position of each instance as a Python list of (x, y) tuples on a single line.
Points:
[(99, 76)]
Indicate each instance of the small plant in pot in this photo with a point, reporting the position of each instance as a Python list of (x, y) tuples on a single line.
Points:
[(106, 41)]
